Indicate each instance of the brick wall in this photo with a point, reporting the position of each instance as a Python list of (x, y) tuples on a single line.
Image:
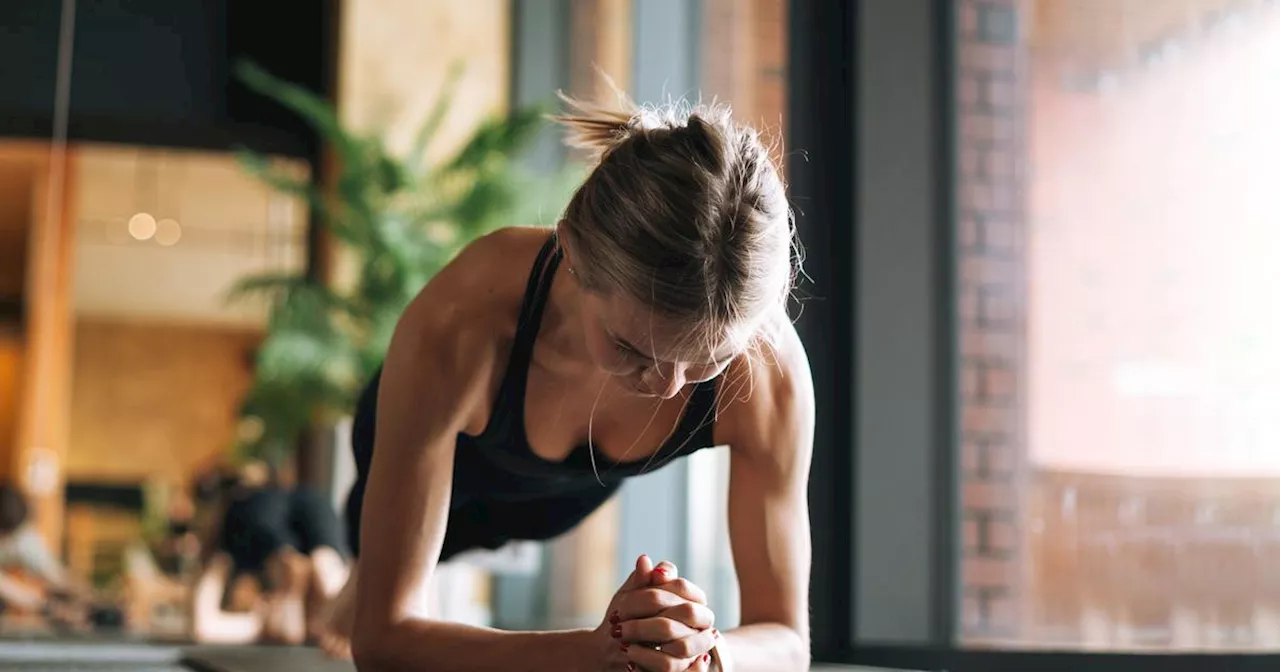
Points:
[(992, 309), (745, 63)]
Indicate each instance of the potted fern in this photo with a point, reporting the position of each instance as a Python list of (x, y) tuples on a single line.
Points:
[(402, 218)]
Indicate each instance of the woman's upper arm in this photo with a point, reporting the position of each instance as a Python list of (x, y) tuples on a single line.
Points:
[(434, 375), (770, 434)]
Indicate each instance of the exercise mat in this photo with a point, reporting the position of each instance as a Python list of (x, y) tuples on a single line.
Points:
[(261, 659), (52, 655), (306, 659)]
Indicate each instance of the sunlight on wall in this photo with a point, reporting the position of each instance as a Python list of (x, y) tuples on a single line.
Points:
[(163, 234), (1153, 324)]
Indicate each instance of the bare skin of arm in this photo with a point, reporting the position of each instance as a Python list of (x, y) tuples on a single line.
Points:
[(210, 624), (15, 592), (435, 383), (769, 428)]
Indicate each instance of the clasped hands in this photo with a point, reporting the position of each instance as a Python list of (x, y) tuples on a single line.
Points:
[(657, 622)]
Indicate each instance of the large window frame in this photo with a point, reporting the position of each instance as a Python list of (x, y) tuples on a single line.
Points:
[(872, 129)]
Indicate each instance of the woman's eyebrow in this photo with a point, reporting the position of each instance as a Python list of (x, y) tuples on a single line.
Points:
[(641, 353)]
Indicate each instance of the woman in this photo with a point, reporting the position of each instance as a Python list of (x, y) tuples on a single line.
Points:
[(22, 548), (290, 540), (515, 399)]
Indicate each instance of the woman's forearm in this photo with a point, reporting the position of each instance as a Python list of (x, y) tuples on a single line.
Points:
[(763, 647), (452, 647)]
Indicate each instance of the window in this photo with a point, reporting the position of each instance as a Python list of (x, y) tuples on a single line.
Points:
[(1120, 412)]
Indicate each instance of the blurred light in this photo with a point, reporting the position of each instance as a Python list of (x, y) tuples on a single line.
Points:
[(142, 226), (168, 232)]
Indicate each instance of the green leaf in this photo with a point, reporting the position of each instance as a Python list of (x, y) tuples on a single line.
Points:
[(418, 150), (499, 138), (398, 222)]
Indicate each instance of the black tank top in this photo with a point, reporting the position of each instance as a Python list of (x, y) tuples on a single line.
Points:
[(502, 489)]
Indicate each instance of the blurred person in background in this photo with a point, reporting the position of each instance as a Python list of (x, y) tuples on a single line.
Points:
[(59, 595), (288, 539)]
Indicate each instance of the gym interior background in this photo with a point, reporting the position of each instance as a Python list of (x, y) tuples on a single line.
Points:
[(1039, 239)]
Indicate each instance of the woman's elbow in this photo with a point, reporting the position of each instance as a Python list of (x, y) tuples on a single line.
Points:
[(369, 650)]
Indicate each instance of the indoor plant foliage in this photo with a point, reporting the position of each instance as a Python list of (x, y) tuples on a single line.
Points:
[(402, 218)]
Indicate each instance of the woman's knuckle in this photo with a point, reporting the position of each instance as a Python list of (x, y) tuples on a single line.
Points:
[(684, 611)]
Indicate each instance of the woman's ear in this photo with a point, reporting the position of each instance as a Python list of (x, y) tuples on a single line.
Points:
[(565, 253)]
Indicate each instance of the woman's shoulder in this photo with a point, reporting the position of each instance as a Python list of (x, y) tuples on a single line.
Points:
[(483, 285), (767, 390), (463, 320)]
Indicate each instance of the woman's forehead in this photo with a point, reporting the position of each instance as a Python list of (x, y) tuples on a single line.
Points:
[(663, 339)]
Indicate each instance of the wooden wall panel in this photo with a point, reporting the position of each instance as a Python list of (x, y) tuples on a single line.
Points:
[(44, 398), (10, 383), (153, 400)]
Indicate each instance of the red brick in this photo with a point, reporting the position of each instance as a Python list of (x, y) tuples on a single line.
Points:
[(1001, 535), (988, 271), (999, 460), (970, 617), (967, 304), (970, 92), (980, 342), (998, 234), (998, 383), (997, 164), (994, 157), (971, 460), (983, 419), (975, 56), (968, 19), (998, 93), (968, 234), (970, 380), (988, 196), (971, 535), (981, 572), (990, 495), (997, 307), (1002, 612), (972, 161), (980, 126)]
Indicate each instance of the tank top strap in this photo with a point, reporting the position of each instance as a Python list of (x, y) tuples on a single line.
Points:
[(698, 424), (536, 294), (506, 421)]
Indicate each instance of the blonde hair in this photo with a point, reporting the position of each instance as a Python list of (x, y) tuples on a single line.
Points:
[(684, 210)]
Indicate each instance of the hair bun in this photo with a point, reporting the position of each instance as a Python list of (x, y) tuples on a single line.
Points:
[(598, 128)]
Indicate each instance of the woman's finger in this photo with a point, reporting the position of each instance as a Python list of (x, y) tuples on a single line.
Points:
[(686, 589), (701, 663), (664, 572), (668, 657), (653, 630), (645, 603), (692, 646), (696, 616)]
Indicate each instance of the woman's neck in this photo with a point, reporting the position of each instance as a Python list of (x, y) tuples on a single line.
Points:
[(559, 336)]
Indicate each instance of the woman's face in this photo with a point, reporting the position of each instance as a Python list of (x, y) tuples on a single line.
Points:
[(648, 355)]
